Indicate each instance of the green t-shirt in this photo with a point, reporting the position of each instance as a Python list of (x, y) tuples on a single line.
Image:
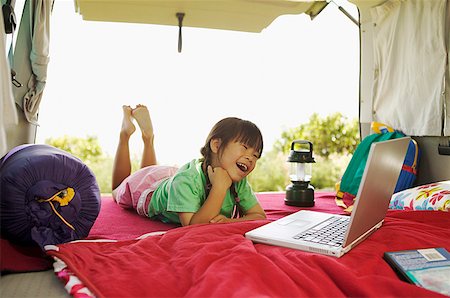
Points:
[(185, 192)]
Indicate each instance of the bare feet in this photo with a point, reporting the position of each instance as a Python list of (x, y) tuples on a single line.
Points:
[(128, 127), (142, 116)]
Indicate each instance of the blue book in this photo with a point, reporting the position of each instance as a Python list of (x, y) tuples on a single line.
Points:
[(428, 268)]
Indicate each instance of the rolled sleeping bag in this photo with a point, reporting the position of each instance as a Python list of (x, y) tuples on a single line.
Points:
[(47, 196)]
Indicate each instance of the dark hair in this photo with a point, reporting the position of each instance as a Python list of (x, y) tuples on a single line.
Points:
[(232, 129), (228, 130)]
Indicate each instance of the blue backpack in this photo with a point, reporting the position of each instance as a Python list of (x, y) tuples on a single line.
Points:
[(347, 188)]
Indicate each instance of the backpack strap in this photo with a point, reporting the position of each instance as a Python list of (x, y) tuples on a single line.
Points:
[(413, 168)]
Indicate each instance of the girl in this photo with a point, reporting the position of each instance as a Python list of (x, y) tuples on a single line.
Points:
[(211, 189)]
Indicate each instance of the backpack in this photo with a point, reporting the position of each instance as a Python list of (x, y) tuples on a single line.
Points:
[(347, 188)]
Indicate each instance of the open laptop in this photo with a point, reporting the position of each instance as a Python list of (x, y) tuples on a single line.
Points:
[(299, 230)]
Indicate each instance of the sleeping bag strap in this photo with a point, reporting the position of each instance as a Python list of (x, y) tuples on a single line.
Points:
[(63, 197)]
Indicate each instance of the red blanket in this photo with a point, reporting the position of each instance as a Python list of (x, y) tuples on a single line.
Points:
[(19, 258), (217, 260)]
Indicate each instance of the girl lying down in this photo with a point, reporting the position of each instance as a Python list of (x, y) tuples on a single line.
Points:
[(211, 189)]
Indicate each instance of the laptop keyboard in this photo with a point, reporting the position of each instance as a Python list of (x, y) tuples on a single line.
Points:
[(330, 232)]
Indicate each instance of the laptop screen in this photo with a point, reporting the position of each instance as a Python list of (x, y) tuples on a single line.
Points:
[(381, 173)]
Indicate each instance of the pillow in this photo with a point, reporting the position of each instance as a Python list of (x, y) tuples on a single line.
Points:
[(433, 196)]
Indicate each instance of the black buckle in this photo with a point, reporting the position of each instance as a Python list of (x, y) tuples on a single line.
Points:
[(9, 18)]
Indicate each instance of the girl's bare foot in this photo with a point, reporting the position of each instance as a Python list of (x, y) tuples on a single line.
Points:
[(128, 127), (142, 116)]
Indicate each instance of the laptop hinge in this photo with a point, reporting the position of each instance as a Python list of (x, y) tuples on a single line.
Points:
[(362, 237)]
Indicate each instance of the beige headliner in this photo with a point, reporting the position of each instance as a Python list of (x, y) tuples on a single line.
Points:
[(239, 15)]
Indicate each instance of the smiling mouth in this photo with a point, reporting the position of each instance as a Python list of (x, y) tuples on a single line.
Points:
[(242, 167)]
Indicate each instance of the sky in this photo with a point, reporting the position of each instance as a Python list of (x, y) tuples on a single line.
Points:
[(277, 78)]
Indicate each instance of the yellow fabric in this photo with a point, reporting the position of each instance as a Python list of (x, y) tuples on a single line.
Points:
[(377, 127), (63, 197)]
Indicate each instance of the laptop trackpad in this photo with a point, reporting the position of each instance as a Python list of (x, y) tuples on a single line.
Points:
[(293, 222)]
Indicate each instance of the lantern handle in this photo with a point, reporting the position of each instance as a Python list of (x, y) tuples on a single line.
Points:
[(302, 142)]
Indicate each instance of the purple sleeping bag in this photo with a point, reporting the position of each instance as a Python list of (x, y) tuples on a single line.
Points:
[(47, 196)]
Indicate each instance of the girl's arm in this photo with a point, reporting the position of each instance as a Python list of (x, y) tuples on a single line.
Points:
[(221, 182), (254, 213), (209, 209)]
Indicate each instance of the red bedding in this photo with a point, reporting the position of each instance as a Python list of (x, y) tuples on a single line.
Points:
[(217, 260), (19, 258)]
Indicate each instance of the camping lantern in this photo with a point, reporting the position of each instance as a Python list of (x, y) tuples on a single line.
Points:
[(300, 192)]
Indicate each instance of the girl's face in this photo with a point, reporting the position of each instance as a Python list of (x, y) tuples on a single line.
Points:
[(238, 160)]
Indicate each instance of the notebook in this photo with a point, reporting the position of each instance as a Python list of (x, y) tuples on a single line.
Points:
[(300, 230)]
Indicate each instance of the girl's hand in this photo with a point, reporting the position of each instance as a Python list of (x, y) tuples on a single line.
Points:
[(220, 219), (254, 213), (219, 177), (220, 183)]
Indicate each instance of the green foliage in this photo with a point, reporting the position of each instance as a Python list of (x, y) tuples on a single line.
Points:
[(89, 151), (271, 173), (332, 134), (103, 170), (327, 172), (334, 140)]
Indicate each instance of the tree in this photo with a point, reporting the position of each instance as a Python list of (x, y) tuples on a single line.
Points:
[(271, 173), (90, 152), (334, 140), (334, 134), (87, 149)]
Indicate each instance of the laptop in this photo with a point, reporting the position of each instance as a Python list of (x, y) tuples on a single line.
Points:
[(340, 233)]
